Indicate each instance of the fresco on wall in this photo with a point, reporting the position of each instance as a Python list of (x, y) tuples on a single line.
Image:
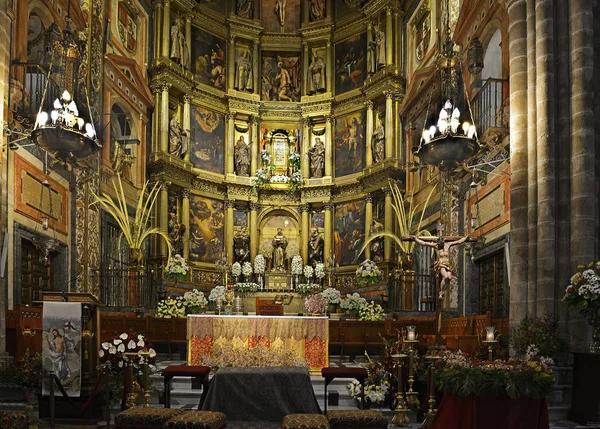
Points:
[(350, 63), (280, 16), (349, 232), (209, 58), (350, 143), (207, 137), (206, 229)]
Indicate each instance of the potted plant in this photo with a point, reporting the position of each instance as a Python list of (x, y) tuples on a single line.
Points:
[(177, 269), (29, 375)]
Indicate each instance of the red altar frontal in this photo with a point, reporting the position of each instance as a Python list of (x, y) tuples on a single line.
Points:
[(307, 337)]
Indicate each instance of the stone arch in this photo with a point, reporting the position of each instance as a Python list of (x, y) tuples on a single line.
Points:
[(276, 217)]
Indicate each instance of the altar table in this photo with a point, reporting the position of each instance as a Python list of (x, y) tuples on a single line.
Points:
[(261, 394), (307, 337)]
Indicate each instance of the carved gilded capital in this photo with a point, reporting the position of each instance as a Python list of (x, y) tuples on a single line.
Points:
[(389, 95), (306, 122), (231, 39), (185, 193), (187, 98), (166, 3), (254, 207), (230, 204), (368, 198), (330, 119), (157, 4), (369, 104), (156, 87), (230, 116), (388, 10), (164, 185), (165, 86), (387, 192), (328, 206), (304, 208)]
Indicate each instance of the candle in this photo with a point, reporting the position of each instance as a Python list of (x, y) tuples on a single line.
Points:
[(228, 287), (489, 333), (410, 333)]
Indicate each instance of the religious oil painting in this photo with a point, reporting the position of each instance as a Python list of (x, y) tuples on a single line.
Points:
[(61, 345), (240, 219), (206, 229), (207, 137), (349, 232), (318, 220), (350, 144), (350, 63), (208, 58), (280, 16), (281, 78)]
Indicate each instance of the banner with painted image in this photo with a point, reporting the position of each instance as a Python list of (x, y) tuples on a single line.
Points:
[(61, 345)]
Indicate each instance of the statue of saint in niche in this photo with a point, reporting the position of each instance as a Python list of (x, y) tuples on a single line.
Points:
[(315, 247), (242, 157), (241, 246), (244, 9), (376, 245), (317, 158), (316, 10), (179, 49), (243, 80), (316, 74), (279, 244), (177, 138), (376, 51), (379, 141), (280, 11)]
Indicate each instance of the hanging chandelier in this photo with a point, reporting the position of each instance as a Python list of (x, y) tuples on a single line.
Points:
[(61, 130)]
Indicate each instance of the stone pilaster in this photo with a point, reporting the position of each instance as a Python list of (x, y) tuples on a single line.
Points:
[(187, 99), (166, 28), (329, 145), (327, 249), (230, 117)]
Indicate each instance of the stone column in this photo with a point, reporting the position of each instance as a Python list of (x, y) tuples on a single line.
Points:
[(305, 67), (517, 16), (328, 232), (230, 141), (389, 37), (185, 219), (158, 12), (164, 118), (328, 145), (305, 211), (305, 160), (369, 139), (329, 68), (368, 222), (163, 220), (388, 224), (231, 62), (255, 69), (229, 206), (254, 143), (156, 89), (389, 124), (188, 38), (166, 29), (254, 233), (187, 99)]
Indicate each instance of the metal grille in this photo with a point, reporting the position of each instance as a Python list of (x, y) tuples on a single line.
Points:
[(489, 105)]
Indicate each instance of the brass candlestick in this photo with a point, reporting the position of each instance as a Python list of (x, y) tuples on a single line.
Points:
[(400, 413), (412, 397), (132, 396), (431, 413)]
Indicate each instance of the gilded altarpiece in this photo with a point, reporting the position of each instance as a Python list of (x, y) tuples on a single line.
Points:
[(351, 63), (349, 143), (209, 58)]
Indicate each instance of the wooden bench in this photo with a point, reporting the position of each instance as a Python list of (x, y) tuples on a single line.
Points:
[(198, 372)]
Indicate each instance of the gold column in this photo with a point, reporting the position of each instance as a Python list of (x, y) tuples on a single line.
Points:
[(231, 58), (388, 224), (166, 32), (389, 124), (230, 141), (254, 236), (188, 38), (305, 160), (304, 13), (156, 89), (254, 143), (329, 9), (255, 71), (185, 219), (399, 131), (369, 148), (305, 211), (389, 38), (368, 222), (328, 145), (400, 40), (164, 118), (187, 99), (158, 5), (329, 68), (328, 231), (163, 220), (229, 230), (305, 67)]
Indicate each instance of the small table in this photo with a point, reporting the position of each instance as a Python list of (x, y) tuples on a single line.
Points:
[(261, 394)]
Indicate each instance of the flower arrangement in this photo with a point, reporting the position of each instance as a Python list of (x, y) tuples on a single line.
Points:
[(261, 177), (259, 356), (29, 371), (319, 270), (583, 291), (247, 269), (265, 157), (376, 385), (315, 304), (176, 268), (236, 269), (306, 288), (170, 307), (15, 420), (540, 332), (279, 178), (371, 312), (297, 265), (259, 264), (194, 301), (294, 159), (367, 273), (308, 272), (461, 375), (352, 304), (218, 292), (332, 296), (246, 287), (296, 179)]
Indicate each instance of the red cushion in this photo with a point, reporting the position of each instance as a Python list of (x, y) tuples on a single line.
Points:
[(333, 372), (185, 371)]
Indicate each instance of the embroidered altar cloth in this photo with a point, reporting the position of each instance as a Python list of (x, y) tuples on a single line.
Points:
[(307, 337)]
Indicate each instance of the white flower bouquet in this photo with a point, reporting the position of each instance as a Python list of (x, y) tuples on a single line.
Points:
[(332, 296), (279, 178), (319, 270), (306, 288), (583, 291), (265, 157), (218, 292), (297, 265), (308, 272), (296, 178), (170, 307), (246, 287), (247, 269), (236, 269), (372, 312), (367, 273), (259, 264), (194, 301), (177, 268), (352, 304)]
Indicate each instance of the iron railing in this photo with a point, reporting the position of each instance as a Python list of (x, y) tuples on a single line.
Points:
[(27, 88), (413, 291), (124, 287), (490, 105)]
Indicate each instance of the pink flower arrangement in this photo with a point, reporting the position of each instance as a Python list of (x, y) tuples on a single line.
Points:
[(316, 304)]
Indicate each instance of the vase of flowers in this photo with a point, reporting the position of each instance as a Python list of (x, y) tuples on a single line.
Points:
[(371, 312), (333, 298), (308, 273), (376, 385), (259, 268), (236, 270), (352, 304), (194, 302), (247, 271), (177, 269), (217, 294), (170, 307), (315, 304), (319, 272), (583, 294), (297, 268), (367, 273)]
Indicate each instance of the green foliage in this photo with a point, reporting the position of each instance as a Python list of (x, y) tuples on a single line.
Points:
[(29, 371), (541, 331)]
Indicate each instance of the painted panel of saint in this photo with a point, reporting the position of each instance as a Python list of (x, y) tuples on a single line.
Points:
[(350, 63), (318, 220), (281, 77), (206, 229), (207, 137), (209, 58), (350, 143), (349, 232), (240, 219), (280, 16)]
